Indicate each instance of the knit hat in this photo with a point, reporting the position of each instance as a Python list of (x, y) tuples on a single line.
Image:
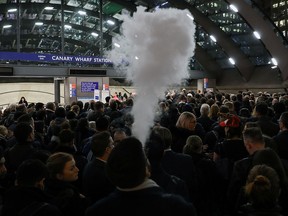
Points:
[(232, 121), (126, 165)]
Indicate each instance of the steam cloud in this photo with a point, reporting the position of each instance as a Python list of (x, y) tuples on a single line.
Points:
[(154, 51)]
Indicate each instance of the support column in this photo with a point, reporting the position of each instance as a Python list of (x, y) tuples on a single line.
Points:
[(57, 81)]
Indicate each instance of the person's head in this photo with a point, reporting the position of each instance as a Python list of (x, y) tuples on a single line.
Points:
[(262, 187), (223, 113), (127, 164), (186, 120), (31, 173), (39, 106), (62, 166), (261, 109), (51, 106), (60, 112), (232, 126), (204, 109), (24, 132), (3, 169), (102, 144), (270, 158), (193, 145), (99, 106), (66, 137), (118, 135), (283, 121), (165, 134), (3, 131), (253, 139), (102, 123), (154, 148), (214, 110)]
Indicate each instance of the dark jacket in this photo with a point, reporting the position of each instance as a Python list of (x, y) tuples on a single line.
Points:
[(28, 200), (182, 166), (66, 197), (95, 183), (147, 201)]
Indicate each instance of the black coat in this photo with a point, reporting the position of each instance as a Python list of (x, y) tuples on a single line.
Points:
[(28, 199), (148, 201), (95, 183), (66, 197)]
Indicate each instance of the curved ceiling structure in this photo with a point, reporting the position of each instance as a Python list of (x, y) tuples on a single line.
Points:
[(251, 34)]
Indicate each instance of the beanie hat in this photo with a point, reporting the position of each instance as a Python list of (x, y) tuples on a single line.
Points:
[(126, 165), (232, 121)]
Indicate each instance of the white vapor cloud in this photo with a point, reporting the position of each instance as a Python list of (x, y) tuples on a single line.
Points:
[(154, 51)]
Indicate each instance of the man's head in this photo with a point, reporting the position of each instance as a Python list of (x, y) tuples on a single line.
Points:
[(253, 139), (127, 164), (31, 173)]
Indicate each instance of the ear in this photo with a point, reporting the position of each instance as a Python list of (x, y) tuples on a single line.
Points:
[(40, 184), (59, 176)]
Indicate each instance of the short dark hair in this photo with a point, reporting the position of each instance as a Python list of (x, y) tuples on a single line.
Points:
[(30, 172), (127, 163), (22, 132), (99, 142), (254, 134)]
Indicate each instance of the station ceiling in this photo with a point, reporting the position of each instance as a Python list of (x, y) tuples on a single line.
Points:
[(222, 32)]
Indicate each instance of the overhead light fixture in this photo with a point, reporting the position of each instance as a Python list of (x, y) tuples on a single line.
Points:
[(82, 13), (234, 8), (191, 17), (232, 61), (38, 23), (94, 34), (213, 38), (12, 10), (257, 35), (7, 26), (274, 61), (164, 3), (67, 26), (110, 22), (136, 57), (48, 8), (117, 45)]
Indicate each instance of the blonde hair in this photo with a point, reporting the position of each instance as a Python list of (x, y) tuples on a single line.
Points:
[(184, 120)]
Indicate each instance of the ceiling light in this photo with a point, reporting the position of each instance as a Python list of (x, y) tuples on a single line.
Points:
[(274, 61), (213, 38), (117, 45), (48, 8), (67, 26), (257, 35), (164, 3), (191, 17), (231, 60), (110, 22), (136, 57), (12, 10), (38, 23), (7, 26), (83, 13), (94, 34), (234, 8)]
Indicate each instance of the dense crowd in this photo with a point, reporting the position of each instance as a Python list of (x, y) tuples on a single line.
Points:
[(210, 154)]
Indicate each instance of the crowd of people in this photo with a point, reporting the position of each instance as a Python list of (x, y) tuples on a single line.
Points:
[(210, 154)]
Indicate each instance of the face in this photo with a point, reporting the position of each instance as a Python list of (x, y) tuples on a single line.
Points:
[(192, 124), (70, 172)]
